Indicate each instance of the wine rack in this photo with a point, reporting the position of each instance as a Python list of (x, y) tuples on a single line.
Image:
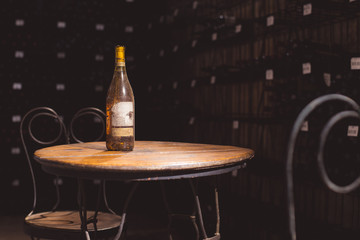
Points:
[(59, 55), (238, 73)]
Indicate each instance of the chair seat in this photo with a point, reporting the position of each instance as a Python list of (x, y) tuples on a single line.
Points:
[(68, 222)]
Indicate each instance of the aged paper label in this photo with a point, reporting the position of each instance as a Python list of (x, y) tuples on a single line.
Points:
[(122, 114), (122, 132)]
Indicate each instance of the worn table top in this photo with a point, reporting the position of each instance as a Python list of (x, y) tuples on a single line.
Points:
[(150, 160)]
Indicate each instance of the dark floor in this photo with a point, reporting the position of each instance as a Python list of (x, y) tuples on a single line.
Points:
[(11, 228)]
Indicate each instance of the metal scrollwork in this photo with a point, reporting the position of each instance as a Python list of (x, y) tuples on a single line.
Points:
[(30, 116), (291, 146), (88, 111), (320, 157)]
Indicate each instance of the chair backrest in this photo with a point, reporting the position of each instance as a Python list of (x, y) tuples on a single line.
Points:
[(89, 123), (355, 113), (42, 134), (90, 116)]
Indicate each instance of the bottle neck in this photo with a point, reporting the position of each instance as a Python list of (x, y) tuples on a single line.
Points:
[(120, 66), (119, 63)]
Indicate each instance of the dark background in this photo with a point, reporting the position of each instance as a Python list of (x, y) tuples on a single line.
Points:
[(207, 71)]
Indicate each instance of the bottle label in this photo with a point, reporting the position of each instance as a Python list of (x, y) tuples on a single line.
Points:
[(305, 126), (120, 63), (122, 115), (214, 36), (355, 63), (269, 74), (270, 21), (122, 131), (307, 9), (238, 28), (327, 79), (353, 131), (306, 68)]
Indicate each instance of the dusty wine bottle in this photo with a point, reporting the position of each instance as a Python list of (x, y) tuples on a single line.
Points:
[(120, 108)]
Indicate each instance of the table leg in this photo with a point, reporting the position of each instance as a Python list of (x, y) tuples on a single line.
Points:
[(123, 216), (167, 208), (94, 218), (198, 208), (105, 198), (191, 217), (217, 233), (82, 209)]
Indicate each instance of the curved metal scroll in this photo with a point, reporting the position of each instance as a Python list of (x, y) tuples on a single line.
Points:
[(101, 115), (320, 157), (291, 146), (88, 111), (31, 115)]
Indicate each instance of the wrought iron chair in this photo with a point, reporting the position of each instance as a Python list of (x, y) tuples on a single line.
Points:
[(355, 113), (99, 117), (55, 223)]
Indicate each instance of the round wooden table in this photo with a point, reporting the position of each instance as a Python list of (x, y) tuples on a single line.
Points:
[(150, 160)]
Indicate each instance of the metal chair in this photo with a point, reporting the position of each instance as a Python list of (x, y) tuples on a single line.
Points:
[(99, 117), (55, 223), (355, 113)]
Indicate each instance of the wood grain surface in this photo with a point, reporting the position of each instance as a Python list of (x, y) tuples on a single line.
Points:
[(146, 156), (70, 220)]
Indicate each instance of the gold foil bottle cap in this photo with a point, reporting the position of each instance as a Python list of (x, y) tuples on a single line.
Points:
[(120, 53)]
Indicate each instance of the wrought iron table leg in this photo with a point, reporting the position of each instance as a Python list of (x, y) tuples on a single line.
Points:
[(217, 233), (168, 210), (82, 208), (193, 221), (123, 216), (199, 212), (198, 208), (83, 211), (105, 198), (191, 217), (94, 218)]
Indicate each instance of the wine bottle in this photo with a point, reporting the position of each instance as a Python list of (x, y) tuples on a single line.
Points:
[(120, 108)]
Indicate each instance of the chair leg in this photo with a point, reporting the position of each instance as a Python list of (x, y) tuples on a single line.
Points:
[(123, 216)]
